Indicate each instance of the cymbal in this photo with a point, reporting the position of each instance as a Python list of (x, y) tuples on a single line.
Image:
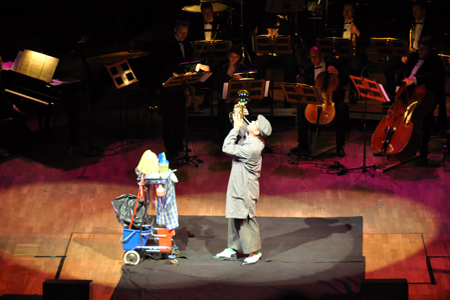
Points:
[(196, 8)]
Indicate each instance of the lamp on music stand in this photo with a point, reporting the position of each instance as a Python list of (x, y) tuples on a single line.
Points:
[(122, 75), (186, 79)]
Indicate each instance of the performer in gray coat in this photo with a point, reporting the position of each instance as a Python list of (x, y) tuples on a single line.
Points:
[(243, 187)]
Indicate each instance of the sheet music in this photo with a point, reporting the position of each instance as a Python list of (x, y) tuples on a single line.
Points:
[(37, 65), (384, 93), (225, 90), (266, 92)]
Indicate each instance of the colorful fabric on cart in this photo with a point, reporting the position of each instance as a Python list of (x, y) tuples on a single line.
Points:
[(166, 210)]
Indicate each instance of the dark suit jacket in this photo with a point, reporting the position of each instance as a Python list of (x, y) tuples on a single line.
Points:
[(171, 56), (431, 73), (429, 28)]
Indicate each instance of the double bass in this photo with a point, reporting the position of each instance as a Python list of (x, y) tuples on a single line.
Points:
[(400, 133), (323, 114)]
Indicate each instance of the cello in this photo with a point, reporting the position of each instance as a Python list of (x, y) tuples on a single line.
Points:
[(324, 113), (400, 132)]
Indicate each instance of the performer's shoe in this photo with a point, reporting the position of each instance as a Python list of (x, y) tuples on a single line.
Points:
[(252, 259), (227, 253), (299, 149), (340, 151)]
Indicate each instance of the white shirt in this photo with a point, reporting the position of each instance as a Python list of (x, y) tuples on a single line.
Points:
[(320, 69), (208, 34), (416, 68), (347, 34), (417, 33)]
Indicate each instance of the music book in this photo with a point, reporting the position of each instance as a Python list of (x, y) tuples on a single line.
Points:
[(37, 65)]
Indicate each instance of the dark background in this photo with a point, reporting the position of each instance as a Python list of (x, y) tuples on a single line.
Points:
[(56, 27)]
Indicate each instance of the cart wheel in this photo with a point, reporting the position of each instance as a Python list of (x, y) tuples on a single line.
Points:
[(177, 253), (132, 257), (174, 262)]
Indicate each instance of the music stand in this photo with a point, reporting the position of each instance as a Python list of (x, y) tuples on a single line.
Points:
[(387, 47), (306, 94), (255, 89), (122, 75), (368, 89), (185, 79), (335, 46), (268, 44), (213, 49)]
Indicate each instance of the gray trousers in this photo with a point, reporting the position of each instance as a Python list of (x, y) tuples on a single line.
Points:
[(243, 235)]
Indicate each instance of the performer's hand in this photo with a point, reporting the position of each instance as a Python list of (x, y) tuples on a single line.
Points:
[(404, 59), (412, 50), (237, 77), (16, 109), (409, 81), (332, 70), (237, 121), (245, 112), (355, 30), (204, 68)]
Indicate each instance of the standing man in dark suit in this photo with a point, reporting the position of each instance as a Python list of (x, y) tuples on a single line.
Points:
[(420, 26), (424, 67), (173, 103), (210, 27), (341, 119), (354, 31)]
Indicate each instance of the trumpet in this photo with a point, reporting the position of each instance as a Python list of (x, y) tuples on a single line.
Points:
[(412, 34), (239, 107), (353, 40)]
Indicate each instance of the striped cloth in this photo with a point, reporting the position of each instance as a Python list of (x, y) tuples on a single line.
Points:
[(166, 208)]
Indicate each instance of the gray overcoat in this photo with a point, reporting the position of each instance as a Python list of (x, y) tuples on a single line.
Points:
[(243, 185)]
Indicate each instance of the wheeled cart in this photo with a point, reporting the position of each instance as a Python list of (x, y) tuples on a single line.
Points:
[(144, 242)]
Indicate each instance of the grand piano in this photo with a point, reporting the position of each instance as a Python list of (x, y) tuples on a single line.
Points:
[(78, 84)]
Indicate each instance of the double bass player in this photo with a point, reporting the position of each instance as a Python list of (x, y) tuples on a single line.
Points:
[(424, 67)]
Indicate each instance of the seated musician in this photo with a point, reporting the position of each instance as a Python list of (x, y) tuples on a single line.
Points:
[(210, 27), (14, 132), (341, 119), (262, 62), (424, 67), (225, 74), (354, 64), (420, 26), (173, 99)]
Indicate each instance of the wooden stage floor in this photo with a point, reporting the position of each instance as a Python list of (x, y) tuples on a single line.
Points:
[(56, 204)]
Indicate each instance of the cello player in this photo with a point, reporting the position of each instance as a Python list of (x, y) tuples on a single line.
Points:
[(319, 65), (424, 67)]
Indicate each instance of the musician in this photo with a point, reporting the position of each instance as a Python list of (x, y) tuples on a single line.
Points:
[(424, 67), (319, 65), (225, 74), (243, 187), (173, 103), (262, 62), (353, 65), (14, 132), (420, 26), (210, 27)]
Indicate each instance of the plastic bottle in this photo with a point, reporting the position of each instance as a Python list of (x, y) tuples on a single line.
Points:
[(163, 164)]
